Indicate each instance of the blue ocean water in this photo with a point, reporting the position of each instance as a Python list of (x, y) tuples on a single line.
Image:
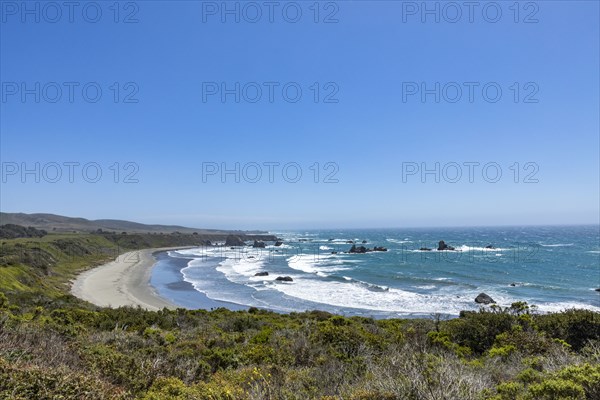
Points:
[(553, 268)]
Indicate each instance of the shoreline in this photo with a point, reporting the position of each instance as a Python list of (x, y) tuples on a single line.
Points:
[(124, 281)]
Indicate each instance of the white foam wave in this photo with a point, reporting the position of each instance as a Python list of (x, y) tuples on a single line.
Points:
[(399, 241), (557, 245), (355, 295), (312, 264), (557, 307), (484, 249), (239, 270)]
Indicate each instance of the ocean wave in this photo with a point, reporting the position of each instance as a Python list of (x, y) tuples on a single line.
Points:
[(536, 286), (557, 245), (240, 270), (462, 249), (426, 287), (562, 306), (311, 264), (483, 249), (356, 296), (399, 241)]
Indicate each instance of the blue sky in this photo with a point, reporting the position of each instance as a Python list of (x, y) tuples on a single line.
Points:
[(364, 121)]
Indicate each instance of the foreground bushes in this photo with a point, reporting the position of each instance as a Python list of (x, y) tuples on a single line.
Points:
[(54, 346), (69, 350)]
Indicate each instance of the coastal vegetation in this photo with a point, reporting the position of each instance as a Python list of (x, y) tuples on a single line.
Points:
[(55, 346)]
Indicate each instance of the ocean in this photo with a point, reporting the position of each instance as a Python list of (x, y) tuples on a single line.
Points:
[(551, 267)]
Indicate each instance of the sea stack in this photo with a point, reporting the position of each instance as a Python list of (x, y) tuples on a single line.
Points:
[(443, 246)]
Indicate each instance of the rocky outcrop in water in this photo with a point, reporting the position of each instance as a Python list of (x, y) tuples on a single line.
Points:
[(358, 250), (483, 298), (265, 273), (362, 249), (284, 279), (258, 244), (278, 243), (443, 246)]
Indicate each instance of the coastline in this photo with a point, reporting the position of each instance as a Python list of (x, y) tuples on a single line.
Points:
[(123, 282)]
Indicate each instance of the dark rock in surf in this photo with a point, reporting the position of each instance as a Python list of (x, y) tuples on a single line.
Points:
[(259, 244), (489, 246), (261, 274), (380, 248), (284, 279), (424, 249), (358, 250), (278, 243), (443, 246), (364, 241), (483, 298)]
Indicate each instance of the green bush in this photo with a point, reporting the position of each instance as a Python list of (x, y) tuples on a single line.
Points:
[(26, 383), (576, 327)]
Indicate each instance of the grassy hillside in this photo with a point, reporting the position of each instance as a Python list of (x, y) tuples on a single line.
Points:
[(59, 223), (53, 345)]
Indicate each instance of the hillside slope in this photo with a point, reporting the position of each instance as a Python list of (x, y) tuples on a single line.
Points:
[(59, 223)]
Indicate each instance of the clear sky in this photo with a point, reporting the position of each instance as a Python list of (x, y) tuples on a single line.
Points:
[(388, 88)]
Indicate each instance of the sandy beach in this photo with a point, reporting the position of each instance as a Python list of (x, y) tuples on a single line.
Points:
[(122, 282)]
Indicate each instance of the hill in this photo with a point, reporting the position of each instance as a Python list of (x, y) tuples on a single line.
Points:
[(59, 223)]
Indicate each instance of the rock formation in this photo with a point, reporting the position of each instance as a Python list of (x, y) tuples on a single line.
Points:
[(483, 298)]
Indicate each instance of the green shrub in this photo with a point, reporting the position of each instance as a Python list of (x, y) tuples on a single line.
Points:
[(576, 327), (503, 351), (556, 389), (25, 383), (3, 301)]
